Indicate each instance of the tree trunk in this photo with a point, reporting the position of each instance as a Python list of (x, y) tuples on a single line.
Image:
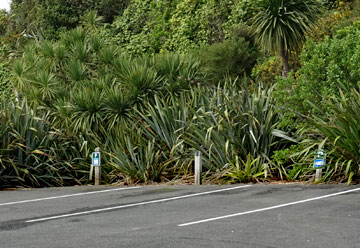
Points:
[(285, 60)]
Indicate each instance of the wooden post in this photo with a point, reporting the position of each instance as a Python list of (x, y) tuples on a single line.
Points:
[(265, 170), (97, 175), (91, 172), (318, 174), (198, 167)]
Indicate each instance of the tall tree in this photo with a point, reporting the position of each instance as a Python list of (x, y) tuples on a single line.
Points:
[(280, 26)]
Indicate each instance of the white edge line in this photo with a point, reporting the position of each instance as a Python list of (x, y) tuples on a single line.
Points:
[(70, 195), (268, 208), (134, 204)]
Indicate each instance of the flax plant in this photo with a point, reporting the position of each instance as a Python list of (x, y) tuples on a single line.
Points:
[(34, 154)]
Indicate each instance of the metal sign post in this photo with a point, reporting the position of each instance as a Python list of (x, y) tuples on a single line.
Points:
[(319, 163), (96, 163)]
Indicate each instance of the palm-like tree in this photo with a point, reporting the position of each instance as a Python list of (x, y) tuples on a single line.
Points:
[(280, 26)]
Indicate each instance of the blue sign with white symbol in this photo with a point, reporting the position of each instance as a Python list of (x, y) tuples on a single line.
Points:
[(318, 163), (319, 159), (95, 157)]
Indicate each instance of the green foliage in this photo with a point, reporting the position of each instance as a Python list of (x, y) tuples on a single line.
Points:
[(162, 134), (326, 67), (245, 171), (296, 162), (283, 24), (149, 113), (49, 17), (342, 129), (139, 162), (195, 22), (85, 88), (34, 154), (153, 146), (231, 122), (3, 21), (241, 13), (5, 84), (228, 59), (179, 71), (280, 27), (293, 163), (342, 14), (142, 27), (89, 77), (268, 69), (156, 26)]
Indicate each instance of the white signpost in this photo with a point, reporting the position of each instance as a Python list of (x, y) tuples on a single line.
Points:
[(319, 163), (96, 163)]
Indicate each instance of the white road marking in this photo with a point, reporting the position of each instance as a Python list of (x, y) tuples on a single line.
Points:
[(64, 196), (134, 204), (268, 208)]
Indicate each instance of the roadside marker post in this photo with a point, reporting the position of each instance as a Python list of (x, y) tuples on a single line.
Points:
[(319, 163), (265, 170), (198, 167), (96, 165)]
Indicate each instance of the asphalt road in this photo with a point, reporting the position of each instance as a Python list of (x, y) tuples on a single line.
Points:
[(258, 216)]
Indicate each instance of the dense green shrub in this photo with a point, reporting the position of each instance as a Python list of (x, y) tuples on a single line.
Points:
[(150, 113), (49, 17), (241, 13), (88, 89), (5, 84), (156, 26), (227, 125), (326, 67), (340, 14), (342, 130), (268, 69), (195, 23), (228, 59), (233, 121), (34, 154), (97, 83)]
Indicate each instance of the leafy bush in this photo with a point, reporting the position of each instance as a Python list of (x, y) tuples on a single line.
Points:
[(180, 26), (5, 84), (87, 89), (326, 67), (48, 18), (340, 14), (268, 69), (228, 59), (342, 130)]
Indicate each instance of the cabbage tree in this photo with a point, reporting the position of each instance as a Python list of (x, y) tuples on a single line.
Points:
[(280, 26)]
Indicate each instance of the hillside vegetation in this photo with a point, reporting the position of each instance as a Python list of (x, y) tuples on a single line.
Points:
[(256, 86)]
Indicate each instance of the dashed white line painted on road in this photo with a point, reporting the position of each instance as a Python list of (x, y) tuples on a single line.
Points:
[(70, 195), (134, 204), (268, 208)]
